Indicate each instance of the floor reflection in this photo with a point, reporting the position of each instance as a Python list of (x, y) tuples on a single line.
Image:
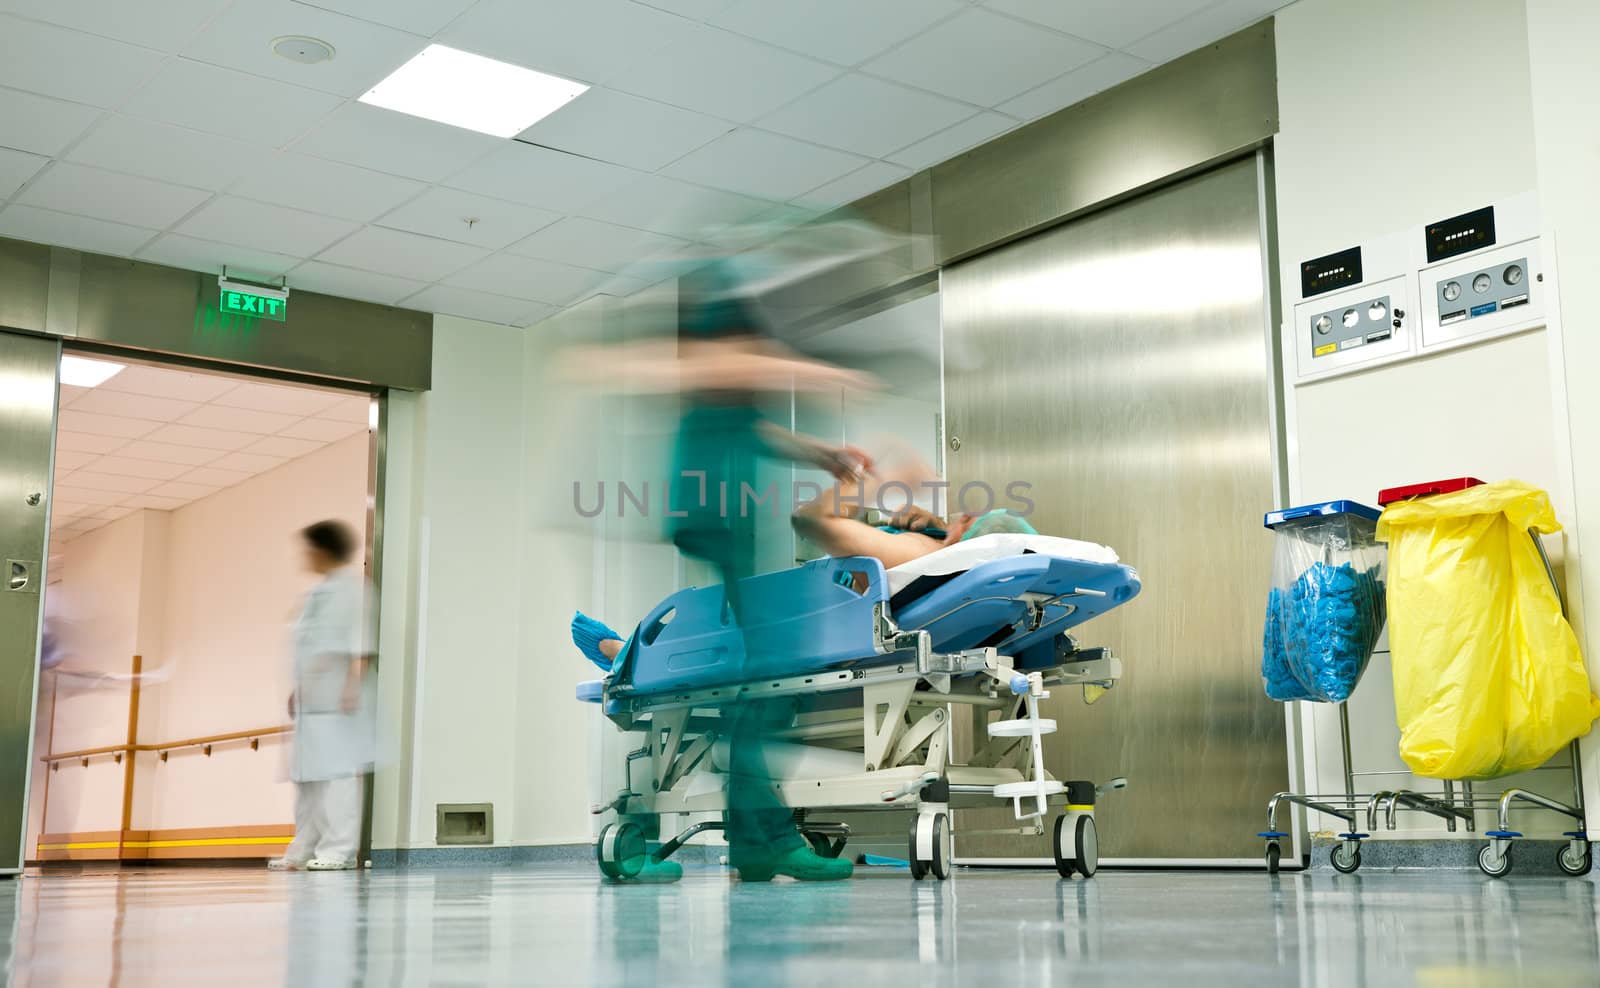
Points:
[(563, 926)]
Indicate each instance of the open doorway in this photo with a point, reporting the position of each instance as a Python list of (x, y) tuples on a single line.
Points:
[(175, 574)]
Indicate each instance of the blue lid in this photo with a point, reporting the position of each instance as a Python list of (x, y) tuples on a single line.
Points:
[(1325, 509)]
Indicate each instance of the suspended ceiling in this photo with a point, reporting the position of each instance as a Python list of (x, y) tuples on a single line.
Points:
[(172, 133)]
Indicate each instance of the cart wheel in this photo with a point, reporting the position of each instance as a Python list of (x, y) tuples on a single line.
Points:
[(1346, 857), (1059, 845), (620, 850), (1492, 866), (1575, 863), (1274, 855), (1087, 844), (936, 828)]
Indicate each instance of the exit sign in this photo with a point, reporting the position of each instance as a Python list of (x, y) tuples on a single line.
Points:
[(255, 301)]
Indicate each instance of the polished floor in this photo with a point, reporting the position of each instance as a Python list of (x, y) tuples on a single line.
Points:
[(560, 926)]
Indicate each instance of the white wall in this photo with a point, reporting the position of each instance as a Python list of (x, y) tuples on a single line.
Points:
[(1379, 147), (1566, 92)]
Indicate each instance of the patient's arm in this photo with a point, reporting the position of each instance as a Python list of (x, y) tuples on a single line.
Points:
[(829, 523)]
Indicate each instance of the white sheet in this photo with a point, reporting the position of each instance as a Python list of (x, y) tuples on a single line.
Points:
[(963, 556)]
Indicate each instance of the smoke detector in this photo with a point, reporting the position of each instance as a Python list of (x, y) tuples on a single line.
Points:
[(306, 51)]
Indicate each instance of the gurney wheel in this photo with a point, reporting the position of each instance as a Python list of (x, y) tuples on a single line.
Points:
[(936, 828), (1083, 853), (825, 846), (1345, 857), (1492, 866), (1274, 856), (620, 851), (1575, 864)]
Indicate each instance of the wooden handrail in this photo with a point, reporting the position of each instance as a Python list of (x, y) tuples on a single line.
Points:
[(166, 746)]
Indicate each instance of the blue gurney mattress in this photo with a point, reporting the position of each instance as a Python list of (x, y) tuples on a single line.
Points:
[(821, 615)]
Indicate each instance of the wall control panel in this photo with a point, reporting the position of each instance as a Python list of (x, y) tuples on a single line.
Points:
[(1482, 295), (1357, 307), (1358, 324)]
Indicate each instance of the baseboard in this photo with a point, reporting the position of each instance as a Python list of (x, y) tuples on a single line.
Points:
[(192, 843)]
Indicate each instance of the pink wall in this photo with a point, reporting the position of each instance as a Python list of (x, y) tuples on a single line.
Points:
[(210, 591)]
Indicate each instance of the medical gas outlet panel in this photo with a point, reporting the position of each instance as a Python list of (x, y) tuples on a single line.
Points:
[(1454, 282)]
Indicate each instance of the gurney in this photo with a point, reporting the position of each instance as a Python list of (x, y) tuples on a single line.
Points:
[(878, 660)]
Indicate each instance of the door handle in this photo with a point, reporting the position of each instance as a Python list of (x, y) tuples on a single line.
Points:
[(19, 574)]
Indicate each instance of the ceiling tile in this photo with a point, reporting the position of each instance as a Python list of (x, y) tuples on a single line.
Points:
[(843, 31), (176, 250), (593, 244), (725, 75), (663, 205), (71, 459), (43, 226), (424, 17), (528, 278), (866, 115), (285, 401), (153, 25), (541, 177), (397, 143), (863, 181), (264, 226), (278, 446), (185, 491), (1201, 29), (40, 124), (105, 195), (164, 382), (351, 408), (115, 483), (590, 41), (365, 52), (53, 61), (321, 430), (1079, 84), (61, 510), (757, 163), (73, 420), (189, 435), (144, 449), (221, 101), (161, 151), (1113, 23), (129, 466), (214, 477), (625, 129), (441, 212), (983, 58), (114, 512), (70, 393), (949, 143), (88, 495), (248, 462), (155, 503), (16, 167), (473, 305), (84, 442), (694, 9), (322, 186), (367, 286), (238, 420), (405, 255), (134, 406)]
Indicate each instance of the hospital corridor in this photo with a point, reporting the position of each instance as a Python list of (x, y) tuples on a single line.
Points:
[(744, 492)]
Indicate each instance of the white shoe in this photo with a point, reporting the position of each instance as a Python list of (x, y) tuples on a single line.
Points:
[(329, 864), (284, 864)]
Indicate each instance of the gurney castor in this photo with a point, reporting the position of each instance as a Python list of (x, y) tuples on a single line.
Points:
[(930, 846), (620, 851), (825, 846), (1076, 845)]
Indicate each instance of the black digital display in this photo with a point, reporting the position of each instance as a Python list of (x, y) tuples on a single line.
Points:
[(1324, 274), (1460, 234)]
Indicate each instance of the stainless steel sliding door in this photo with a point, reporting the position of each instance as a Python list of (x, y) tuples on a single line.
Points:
[(27, 442), (1120, 365)]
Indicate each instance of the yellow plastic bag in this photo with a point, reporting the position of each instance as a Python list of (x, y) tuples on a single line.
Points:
[(1488, 677)]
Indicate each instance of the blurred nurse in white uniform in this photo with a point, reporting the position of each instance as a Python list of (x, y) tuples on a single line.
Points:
[(331, 706)]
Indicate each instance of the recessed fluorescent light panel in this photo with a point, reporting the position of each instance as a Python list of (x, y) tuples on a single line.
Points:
[(81, 372), (466, 90)]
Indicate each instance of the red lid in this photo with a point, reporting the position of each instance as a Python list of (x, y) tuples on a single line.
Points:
[(1413, 491)]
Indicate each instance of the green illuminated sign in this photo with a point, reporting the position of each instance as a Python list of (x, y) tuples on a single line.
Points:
[(244, 303)]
